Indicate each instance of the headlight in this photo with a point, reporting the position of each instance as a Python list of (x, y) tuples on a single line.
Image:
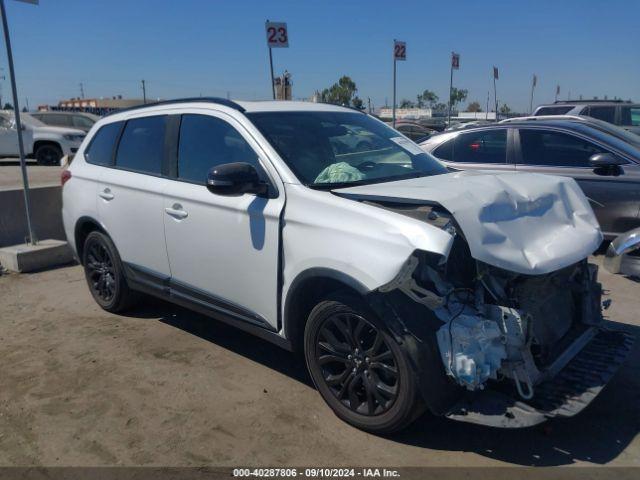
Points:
[(74, 137)]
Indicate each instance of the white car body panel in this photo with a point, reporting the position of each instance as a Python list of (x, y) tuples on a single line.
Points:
[(527, 223)]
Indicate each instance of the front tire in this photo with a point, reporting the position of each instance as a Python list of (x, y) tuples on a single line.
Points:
[(48, 154), (105, 274), (360, 370)]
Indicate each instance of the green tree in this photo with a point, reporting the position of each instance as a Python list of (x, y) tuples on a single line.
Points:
[(474, 107), (505, 109), (458, 95), (439, 107), (407, 103), (8, 106), (343, 92), (427, 98)]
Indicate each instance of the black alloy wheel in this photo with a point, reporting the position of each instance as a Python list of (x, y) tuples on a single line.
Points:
[(105, 275), (360, 369), (357, 364), (100, 272)]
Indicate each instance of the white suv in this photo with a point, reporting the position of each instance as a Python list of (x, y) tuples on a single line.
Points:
[(407, 287), (47, 144)]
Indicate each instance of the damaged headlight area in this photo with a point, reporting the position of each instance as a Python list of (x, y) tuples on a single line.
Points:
[(499, 325)]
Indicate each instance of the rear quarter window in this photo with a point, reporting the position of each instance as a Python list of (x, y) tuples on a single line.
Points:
[(100, 150), (141, 148), (553, 110)]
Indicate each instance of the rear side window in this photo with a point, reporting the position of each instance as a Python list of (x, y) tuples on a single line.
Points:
[(82, 122), (206, 142), (607, 114), (630, 116), (100, 151), (553, 110), (445, 151), (556, 149), (489, 146), (141, 147)]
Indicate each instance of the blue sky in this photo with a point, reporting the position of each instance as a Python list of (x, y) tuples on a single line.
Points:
[(215, 47)]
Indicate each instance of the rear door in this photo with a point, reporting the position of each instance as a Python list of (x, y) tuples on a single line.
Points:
[(130, 203), (615, 199), (479, 149)]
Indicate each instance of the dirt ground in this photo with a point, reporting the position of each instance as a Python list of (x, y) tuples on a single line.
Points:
[(164, 386)]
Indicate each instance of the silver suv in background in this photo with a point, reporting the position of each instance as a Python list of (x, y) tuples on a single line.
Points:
[(617, 112), (80, 120)]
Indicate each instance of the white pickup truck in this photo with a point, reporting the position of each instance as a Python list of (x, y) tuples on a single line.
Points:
[(47, 144)]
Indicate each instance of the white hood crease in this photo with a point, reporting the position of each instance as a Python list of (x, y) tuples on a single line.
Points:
[(524, 222)]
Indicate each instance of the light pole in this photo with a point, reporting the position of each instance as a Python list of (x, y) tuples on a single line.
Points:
[(16, 109)]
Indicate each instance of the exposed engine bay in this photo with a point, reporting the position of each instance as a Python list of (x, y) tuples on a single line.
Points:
[(497, 324)]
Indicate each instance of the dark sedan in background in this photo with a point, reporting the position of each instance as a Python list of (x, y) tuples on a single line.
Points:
[(603, 161)]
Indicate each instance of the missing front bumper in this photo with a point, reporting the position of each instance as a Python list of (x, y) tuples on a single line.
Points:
[(564, 395)]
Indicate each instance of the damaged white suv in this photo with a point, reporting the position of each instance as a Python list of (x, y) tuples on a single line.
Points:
[(407, 287)]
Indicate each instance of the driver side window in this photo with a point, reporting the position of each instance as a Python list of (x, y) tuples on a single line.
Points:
[(206, 142)]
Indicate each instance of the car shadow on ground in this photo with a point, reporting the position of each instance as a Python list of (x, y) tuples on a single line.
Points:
[(598, 435)]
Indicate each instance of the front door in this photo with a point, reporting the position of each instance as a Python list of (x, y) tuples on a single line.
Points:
[(223, 250)]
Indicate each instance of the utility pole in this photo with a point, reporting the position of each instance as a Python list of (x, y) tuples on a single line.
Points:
[(486, 115), (81, 90), (534, 81), (144, 92), (393, 107), (455, 64), (16, 109), (369, 103)]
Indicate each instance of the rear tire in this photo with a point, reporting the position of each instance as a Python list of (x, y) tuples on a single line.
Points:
[(48, 154), (358, 367), (105, 274)]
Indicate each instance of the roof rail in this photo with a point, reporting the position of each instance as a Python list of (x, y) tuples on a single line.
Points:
[(570, 102), (545, 118), (216, 100)]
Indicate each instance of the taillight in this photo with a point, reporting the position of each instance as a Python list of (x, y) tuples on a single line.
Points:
[(65, 176)]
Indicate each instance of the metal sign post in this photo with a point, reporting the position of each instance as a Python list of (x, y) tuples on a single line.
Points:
[(495, 92), (455, 65), (277, 37), (399, 53), (534, 81), (16, 109)]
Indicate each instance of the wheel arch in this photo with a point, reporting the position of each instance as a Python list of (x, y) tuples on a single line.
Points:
[(84, 226), (38, 143), (306, 291)]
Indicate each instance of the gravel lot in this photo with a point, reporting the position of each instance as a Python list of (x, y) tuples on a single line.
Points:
[(164, 386)]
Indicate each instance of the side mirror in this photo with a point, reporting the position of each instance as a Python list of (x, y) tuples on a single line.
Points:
[(606, 163), (235, 179)]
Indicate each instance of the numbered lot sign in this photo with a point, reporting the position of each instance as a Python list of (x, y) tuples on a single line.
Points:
[(399, 50), (277, 35), (455, 61)]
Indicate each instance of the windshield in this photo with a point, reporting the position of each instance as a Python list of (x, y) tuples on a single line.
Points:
[(329, 149)]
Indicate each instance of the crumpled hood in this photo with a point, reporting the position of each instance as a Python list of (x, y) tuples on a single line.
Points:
[(523, 222)]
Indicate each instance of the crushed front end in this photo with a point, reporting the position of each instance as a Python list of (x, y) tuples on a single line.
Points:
[(517, 348)]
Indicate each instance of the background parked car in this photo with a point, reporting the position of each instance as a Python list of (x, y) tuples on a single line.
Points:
[(414, 131), (48, 144), (80, 120), (606, 167), (617, 112)]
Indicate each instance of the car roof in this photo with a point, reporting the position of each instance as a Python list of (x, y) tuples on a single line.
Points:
[(291, 106)]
